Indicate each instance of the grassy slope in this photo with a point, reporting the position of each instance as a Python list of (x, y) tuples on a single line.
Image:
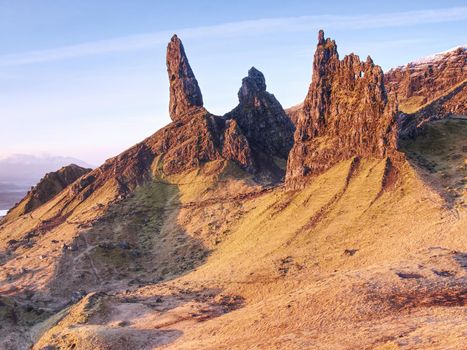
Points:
[(316, 269)]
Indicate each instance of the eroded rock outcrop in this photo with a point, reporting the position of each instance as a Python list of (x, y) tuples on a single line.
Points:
[(185, 94), (193, 138), (428, 89), (262, 118), (294, 112), (346, 113), (236, 146)]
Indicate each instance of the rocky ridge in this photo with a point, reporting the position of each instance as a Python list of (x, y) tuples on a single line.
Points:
[(261, 117), (49, 186), (249, 136), (429, 89), (425, 80)]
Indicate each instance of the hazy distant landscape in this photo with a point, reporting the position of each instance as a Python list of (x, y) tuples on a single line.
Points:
[(10, 194)]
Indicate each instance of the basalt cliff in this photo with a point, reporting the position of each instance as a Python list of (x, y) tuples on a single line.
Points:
[(429, 79), (338, 224)]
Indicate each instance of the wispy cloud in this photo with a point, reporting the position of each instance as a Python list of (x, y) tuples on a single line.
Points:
[(258, 26)]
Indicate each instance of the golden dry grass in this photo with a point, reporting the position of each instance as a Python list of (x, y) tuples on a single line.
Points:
[(340, 264)]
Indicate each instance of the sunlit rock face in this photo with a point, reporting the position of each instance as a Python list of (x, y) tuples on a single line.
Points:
[(346, 113), (185, 94), (427, 79)]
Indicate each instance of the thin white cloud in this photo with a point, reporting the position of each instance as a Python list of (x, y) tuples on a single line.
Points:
[(258, 26)]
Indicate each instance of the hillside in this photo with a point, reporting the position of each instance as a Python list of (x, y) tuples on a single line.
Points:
[(343, 228)]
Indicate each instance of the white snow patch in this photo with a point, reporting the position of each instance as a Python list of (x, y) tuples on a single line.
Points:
[(437, 56)]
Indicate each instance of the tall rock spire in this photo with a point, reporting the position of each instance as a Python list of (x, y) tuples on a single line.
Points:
[(185, 94)]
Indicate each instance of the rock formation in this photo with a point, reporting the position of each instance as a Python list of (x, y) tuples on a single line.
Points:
[(185, 94), (262, 118), (452, 103), (346, 113), (250, 136), (427, 79), (294, 112), (47, 188), (428, 89), (236, 146)]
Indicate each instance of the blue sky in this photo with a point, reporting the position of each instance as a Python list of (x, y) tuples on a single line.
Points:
[(87, 78)]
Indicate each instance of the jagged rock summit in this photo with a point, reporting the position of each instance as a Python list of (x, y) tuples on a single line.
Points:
[(185, 94), (261, 117), (346, 113), (253, 137)]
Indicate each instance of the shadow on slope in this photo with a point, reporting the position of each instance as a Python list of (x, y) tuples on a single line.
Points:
[(161, 231), (439, 154), (136, 242), (132, 244)]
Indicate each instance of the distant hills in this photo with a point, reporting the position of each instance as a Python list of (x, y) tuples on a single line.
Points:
[(18, 172), (26, 169)]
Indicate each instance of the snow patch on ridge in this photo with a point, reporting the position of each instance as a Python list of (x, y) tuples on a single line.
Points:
[(434, 58), (437, 56)]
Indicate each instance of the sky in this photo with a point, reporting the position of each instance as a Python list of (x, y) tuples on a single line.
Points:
[(87, 79)]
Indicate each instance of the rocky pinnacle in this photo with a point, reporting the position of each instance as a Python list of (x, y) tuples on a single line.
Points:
[(185, 94), (261, 117), (346, 113)]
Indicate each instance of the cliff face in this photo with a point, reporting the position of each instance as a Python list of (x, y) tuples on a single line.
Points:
[(346, 113), (425, 80), (428, 89), (294, 112), (47, 188)]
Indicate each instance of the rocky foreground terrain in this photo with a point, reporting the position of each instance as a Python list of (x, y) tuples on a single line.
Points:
[(338, 224)]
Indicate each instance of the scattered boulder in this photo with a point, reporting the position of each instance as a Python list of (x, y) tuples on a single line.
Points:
[(124, 245), (78, 295), (444, 273), (408, 275), (350, 252)]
